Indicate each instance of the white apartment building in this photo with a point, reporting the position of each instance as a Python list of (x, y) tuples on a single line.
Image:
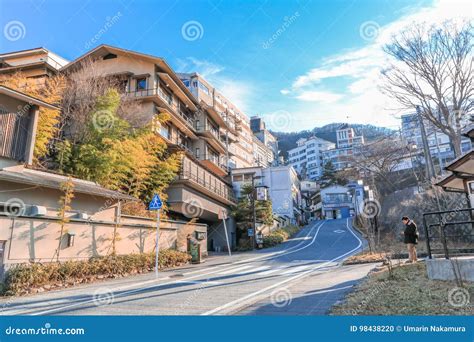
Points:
[(440, 146), (307, 157), (282, 185), (347, 143)]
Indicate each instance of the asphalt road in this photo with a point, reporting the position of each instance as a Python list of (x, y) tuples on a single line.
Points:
[(302, 276)]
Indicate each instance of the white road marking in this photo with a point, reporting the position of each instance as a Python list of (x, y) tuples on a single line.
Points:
[(296, 269), (234, 270), (273, 270), (332, 290), (79, 302), (248, 298)]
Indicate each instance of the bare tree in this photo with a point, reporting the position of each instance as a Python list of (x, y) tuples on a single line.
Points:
[(433, 69), (85, 83), (379, 160)]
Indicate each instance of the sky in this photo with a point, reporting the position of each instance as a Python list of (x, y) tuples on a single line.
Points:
[(298, 64)]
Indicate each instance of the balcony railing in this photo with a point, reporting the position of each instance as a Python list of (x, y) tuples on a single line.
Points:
[(197, 174), (219, 161), (221, 190), (166, 98)]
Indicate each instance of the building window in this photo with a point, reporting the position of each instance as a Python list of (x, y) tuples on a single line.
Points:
[(186, 83), (141, 83), (237, 178), (204, 88), (165, 131)]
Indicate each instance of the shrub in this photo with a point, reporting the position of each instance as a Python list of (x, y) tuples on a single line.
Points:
[(27, 278), (279, 235)]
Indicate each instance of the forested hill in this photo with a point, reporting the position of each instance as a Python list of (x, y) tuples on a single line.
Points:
[(287, 141)]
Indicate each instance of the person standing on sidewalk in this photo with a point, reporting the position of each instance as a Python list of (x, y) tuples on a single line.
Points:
[(410, 238)]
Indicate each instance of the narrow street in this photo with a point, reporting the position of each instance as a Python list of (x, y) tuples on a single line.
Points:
[(303, 276)]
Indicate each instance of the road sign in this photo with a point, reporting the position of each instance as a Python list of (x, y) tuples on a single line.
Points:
[(155, 203), (250, 232)]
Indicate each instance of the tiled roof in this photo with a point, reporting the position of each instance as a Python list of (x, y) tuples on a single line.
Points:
[(20, 174)]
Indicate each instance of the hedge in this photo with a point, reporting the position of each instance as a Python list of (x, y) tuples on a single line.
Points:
[(37, 277), (279, 235)]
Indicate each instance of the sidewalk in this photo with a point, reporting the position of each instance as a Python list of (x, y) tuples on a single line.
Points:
[(315, 295)]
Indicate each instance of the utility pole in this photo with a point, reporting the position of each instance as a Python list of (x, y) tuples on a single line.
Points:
[(430, 172), (254, 214)]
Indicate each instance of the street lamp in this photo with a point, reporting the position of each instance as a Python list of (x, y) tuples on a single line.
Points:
[(254, 209)]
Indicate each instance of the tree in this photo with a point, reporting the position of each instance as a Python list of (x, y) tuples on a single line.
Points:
[(50, 91), (433, 70), (112, 153), (380, 160), (328, 176), (243, 212), (65, 200)]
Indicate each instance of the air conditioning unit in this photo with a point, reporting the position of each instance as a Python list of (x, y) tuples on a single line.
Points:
[(82, 216), (38, 210)]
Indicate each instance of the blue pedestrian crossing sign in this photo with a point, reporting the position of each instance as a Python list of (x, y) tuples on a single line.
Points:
[(155, 203)]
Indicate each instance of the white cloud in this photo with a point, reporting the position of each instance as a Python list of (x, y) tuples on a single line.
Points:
[(318, 96), (239, 92), (361, 100), (204, 67)]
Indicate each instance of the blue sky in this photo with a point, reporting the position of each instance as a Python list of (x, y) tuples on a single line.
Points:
[(299, 64)]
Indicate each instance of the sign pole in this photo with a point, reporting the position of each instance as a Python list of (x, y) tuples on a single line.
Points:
[(157, 241), (226, 235)]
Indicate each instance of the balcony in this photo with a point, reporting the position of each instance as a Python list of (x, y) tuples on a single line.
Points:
[(214, 163), (212, 136), (166, 104), (204, 181)]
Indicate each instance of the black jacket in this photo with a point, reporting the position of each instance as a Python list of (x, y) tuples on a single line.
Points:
[(411, 233)]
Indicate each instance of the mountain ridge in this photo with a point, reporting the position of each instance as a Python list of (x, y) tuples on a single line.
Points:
[(287, 140)]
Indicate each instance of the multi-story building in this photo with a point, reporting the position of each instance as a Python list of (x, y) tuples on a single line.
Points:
[(236, 132), (283, 188), (262, 154), (342, 201), (35, 64), (307, 157), (439, 143), (200, 190), (257, 125), (347, 143)]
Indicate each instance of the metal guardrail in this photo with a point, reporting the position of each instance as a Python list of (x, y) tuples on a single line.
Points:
[(443, 235)]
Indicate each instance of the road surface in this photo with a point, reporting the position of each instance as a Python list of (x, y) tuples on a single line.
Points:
[(303, 276)]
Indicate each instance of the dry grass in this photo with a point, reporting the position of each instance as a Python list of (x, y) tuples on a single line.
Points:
[(365, 258), (407, 292)]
